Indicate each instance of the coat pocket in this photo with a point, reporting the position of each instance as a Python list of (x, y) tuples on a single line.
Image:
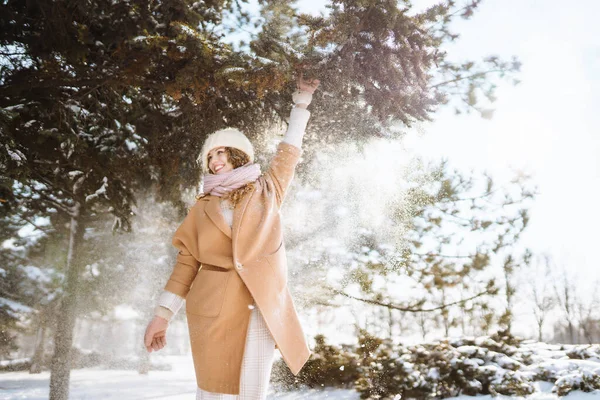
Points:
[(278, 262), (207, 294)]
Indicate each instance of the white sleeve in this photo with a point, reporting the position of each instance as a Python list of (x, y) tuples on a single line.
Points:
[(170, 301), (297, 126)]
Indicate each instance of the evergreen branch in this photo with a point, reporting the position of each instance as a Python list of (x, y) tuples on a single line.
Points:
[(15, 256), (339, 49), (475, 75), (482, 197), (440, 255), (50, 184), (3, 53), (469, 220), (326, 303), (17, 88), (277, 110), (55, 203), (45, 230), (449, 16), (411, 308)]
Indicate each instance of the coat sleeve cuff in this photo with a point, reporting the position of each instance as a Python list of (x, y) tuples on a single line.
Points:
[(170, 301)]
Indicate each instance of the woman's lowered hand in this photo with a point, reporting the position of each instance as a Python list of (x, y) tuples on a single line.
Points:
[(155, 337)]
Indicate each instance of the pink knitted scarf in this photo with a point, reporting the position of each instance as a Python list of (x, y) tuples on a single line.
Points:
[(218, 185)]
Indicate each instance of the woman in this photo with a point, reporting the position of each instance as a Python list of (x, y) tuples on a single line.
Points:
[(231, 267)]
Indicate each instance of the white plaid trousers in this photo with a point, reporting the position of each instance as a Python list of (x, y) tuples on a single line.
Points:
[(256, 365)]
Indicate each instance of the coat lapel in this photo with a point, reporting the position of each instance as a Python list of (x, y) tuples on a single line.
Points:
[(213, 210), (238, 213)]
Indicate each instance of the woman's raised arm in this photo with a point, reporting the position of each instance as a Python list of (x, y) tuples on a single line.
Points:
[(299, 115), (283, 164)]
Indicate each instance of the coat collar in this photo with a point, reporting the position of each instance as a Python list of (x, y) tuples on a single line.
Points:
[(213, 210)]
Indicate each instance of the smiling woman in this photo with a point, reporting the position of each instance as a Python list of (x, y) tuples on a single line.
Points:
[(232, 266)]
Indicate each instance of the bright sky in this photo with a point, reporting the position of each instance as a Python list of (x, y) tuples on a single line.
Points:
[(546, 125)]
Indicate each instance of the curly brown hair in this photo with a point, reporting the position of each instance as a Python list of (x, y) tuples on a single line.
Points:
[(237, 158)]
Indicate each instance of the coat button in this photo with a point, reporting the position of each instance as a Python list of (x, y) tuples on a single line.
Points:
[(239, 266)]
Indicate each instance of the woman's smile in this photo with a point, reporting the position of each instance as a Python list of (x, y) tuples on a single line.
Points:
[(218, 167)]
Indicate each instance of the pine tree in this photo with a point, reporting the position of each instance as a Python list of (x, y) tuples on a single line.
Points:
[(83, 107), (100, 99)]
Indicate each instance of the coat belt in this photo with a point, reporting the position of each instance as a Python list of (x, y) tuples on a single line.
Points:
[(213, 267)]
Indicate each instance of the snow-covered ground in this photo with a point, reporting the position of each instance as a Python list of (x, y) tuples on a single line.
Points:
[(96, 384), (179, 384)]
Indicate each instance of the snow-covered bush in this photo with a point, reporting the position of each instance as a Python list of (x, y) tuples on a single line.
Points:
[(496, 365), (444, 369), (384, 367), (568, 375), (328, 366), (19, 364), (585, 352), (584, 380)]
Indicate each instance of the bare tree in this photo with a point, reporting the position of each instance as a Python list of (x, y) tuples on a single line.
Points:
[(587, 320), (566, 297), (539, 288), (509, 268), (423, 322)]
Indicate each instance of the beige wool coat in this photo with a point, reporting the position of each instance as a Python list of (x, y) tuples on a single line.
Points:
[(220, 270)]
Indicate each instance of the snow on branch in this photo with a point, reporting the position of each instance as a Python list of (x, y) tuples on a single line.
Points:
[(100, 192)]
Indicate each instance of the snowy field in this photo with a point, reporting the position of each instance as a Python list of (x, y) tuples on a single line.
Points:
[(179, 384), (96, 384)]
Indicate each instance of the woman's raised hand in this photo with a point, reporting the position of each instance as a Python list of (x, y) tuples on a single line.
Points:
[(307, 85), (155, 337)]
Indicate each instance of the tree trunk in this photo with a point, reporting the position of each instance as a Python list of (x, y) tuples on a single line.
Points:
[(63, 336), (38, 356), (390, 323), (571, 333), (446, 314), (422, 324)]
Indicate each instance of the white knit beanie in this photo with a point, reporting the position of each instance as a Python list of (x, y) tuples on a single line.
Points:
[(228, 137)]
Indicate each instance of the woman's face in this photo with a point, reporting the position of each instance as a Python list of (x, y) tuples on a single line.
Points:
[(218, 162)]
